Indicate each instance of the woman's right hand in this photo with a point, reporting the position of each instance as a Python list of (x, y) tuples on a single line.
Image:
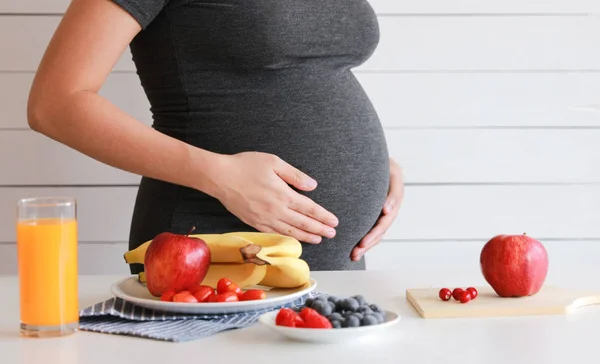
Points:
[(255, 187)]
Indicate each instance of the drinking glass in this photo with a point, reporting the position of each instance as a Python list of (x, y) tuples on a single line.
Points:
[(47, 260)]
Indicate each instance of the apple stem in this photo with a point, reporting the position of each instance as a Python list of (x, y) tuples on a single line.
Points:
[(191, 230), (524, 233)]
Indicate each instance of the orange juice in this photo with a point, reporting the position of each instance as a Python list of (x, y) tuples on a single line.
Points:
[(47, 256)]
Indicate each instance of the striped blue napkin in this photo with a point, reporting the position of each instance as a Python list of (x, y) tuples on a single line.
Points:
[(119, 317)]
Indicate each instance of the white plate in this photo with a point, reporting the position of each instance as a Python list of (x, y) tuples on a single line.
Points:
[(329, 336), (131, 290)]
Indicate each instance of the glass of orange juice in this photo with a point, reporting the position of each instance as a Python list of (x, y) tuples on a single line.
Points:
[(47, 259)]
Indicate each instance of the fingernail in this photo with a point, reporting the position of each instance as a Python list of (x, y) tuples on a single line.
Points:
[(333, 222), (389, 205), (310, 183), (316, 240), (330, 233)]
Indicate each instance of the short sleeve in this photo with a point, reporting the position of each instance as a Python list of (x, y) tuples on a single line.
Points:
[(144, 11)]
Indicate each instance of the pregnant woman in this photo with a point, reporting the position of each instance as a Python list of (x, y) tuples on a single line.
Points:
[(258, 122)]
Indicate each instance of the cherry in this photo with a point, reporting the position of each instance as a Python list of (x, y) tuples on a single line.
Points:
[(445, 294), (464, 296), (456, 292), (473, 292)]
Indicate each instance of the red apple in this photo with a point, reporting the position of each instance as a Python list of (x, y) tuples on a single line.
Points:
[(514, 265), (175, 262)]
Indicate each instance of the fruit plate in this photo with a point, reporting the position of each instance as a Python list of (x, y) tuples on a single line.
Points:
[(329, 336), (131, 290)]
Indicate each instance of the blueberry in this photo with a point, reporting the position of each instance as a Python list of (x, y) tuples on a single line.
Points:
[(361, 300), (322, 297), (369, 320), (332, 305), (366, 310), (335, 316), (352, 321), (358, 314), (379, 316), (350, 304), (326, 311), (336, 324), (317, 303), (333, 299), (348, 313), (308, 302), (322, 307), (376, 308)]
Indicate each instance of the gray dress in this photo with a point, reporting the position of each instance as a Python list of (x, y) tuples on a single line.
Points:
[(271, 76)]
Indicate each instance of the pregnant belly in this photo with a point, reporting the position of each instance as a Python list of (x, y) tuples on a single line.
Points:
[(331, 133)]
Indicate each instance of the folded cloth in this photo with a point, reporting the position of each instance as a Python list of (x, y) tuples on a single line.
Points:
[(116, 316)]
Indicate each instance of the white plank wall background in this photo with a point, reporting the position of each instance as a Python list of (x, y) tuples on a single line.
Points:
[(491, 106)]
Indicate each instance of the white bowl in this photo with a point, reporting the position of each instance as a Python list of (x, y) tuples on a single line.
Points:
[(329, 336)]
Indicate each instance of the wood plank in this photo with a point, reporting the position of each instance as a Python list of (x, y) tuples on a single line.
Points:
[(380, 6), (34, 6), (43, 161), (427, 156), (122, 89), (480, 211), (458, 258), (480, 7), (568, 259), (497, 156), (23, 50), (486, 43), (484, 99), (401, 99), (94, 258), (444, 43), (104, 212), (428, 212)]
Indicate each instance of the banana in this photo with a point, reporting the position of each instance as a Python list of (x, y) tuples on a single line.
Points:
[(136, 256), (225, 248), (286, 273), (282, 271), (272, 244), (247, 258), (243, 274)]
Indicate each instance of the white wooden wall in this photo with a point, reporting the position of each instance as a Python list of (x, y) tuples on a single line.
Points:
[(491, 106)]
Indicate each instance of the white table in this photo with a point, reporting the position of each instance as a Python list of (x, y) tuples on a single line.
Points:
[(514, 340)]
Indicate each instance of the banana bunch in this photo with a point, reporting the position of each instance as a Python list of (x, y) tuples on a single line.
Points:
[(247, 258)]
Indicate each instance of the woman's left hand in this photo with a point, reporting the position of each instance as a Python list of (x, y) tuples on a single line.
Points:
[(390, 211)]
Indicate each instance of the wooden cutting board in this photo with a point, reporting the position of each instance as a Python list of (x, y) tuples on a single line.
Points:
[(548, 301)]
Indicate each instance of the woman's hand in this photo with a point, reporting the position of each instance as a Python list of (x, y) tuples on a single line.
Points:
[(254, 187), (390, 211)]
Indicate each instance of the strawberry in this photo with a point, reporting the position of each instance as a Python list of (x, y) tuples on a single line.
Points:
[(314, 320), (288, 317), (307, 311)]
